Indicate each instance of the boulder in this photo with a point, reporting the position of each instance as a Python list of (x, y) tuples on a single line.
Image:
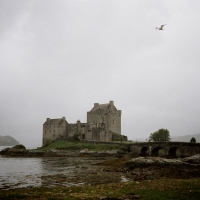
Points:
[(18, 149), (192, 160), (87, 151), (112, 151), (144, 161)]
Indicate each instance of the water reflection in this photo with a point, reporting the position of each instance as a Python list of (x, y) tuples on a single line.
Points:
[(53, 171), (19, 172), (35, 172)]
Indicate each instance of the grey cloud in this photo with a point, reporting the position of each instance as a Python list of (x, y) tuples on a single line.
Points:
[(59, 57)]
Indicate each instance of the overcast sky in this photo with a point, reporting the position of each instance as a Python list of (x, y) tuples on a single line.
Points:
[(58, 58)]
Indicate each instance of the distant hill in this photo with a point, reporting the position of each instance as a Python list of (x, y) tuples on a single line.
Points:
[(8, 141), (185, 138)]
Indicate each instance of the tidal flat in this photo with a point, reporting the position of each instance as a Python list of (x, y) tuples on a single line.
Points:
[(96, 178), (165, 189)]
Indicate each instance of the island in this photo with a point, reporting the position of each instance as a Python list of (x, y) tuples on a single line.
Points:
[(8, 141)]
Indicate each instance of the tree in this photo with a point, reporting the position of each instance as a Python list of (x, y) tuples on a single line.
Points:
[(76, 136), (193, 140), (47, 142), (160, 135)]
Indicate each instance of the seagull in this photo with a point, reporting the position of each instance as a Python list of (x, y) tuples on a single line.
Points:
[(161, 27)]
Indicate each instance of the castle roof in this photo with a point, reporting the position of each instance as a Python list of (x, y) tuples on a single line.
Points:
[(54, 121), (106, 106)]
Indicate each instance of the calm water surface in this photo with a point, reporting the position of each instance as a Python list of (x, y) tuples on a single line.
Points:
[(53, 171)]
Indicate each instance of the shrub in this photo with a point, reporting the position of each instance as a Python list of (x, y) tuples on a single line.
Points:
[(193, 140), (47, 142), (19, 146), (76, 137)]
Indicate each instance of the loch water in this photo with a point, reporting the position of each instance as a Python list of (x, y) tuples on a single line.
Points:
[(18, 172)]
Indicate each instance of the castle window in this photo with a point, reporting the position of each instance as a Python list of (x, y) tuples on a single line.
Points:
[(83, 136)]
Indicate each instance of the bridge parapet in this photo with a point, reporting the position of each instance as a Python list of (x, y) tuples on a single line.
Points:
[(169, 149)]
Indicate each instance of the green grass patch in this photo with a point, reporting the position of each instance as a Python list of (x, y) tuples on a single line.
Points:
[(165, 189), (19, 146), (74, 146)]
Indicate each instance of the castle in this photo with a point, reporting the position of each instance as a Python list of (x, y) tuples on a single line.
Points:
[(103, 125)]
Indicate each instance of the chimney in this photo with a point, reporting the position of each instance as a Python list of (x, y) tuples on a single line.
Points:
[(63, 118), (96, 104), (48, 120), (111, 105)]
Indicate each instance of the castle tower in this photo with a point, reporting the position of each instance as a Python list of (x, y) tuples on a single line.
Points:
[(106, 116)]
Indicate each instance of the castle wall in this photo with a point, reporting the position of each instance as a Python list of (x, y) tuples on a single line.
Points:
[(102, 121), (76, 128), (114, 121), (53, 131), (110, 118), (105, 136)]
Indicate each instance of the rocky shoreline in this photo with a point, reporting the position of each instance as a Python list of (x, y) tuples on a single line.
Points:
[(56, 153), (117, 167), (152, 168), (131, 162), (137, 168)]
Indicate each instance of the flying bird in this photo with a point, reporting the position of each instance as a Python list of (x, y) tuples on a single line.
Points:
[(161, 27)]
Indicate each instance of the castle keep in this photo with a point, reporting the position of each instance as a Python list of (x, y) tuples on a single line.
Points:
[(103, 124)]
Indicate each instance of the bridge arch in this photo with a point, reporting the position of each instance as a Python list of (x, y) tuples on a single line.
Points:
[(144, 151), (155, 151), (174, 152)]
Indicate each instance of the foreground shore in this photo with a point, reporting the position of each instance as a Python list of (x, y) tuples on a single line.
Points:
[(144, 177), (147, 181), (182, 189)]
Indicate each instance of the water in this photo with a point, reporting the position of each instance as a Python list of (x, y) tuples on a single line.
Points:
[(16, 172)]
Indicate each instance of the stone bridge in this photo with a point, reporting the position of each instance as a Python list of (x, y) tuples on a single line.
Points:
[(167, 149)]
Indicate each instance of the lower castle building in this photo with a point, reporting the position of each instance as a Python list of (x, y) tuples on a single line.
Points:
[(103, 125)]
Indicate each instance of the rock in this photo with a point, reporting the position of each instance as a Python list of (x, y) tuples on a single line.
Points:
[(112, 151), (192, 160), (87, 151), (4, 151), (18, 149), (53, 151), (144, 161)]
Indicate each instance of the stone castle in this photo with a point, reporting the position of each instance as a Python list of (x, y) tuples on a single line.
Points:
[(103, 125)]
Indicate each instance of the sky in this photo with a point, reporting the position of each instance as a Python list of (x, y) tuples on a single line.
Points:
[(58, 58)]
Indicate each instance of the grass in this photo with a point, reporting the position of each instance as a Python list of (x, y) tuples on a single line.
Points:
[(165, 189), (19, 146), (74, 146)]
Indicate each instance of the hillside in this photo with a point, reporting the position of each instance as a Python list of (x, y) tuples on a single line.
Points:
[(8, 141), (185, 138)]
